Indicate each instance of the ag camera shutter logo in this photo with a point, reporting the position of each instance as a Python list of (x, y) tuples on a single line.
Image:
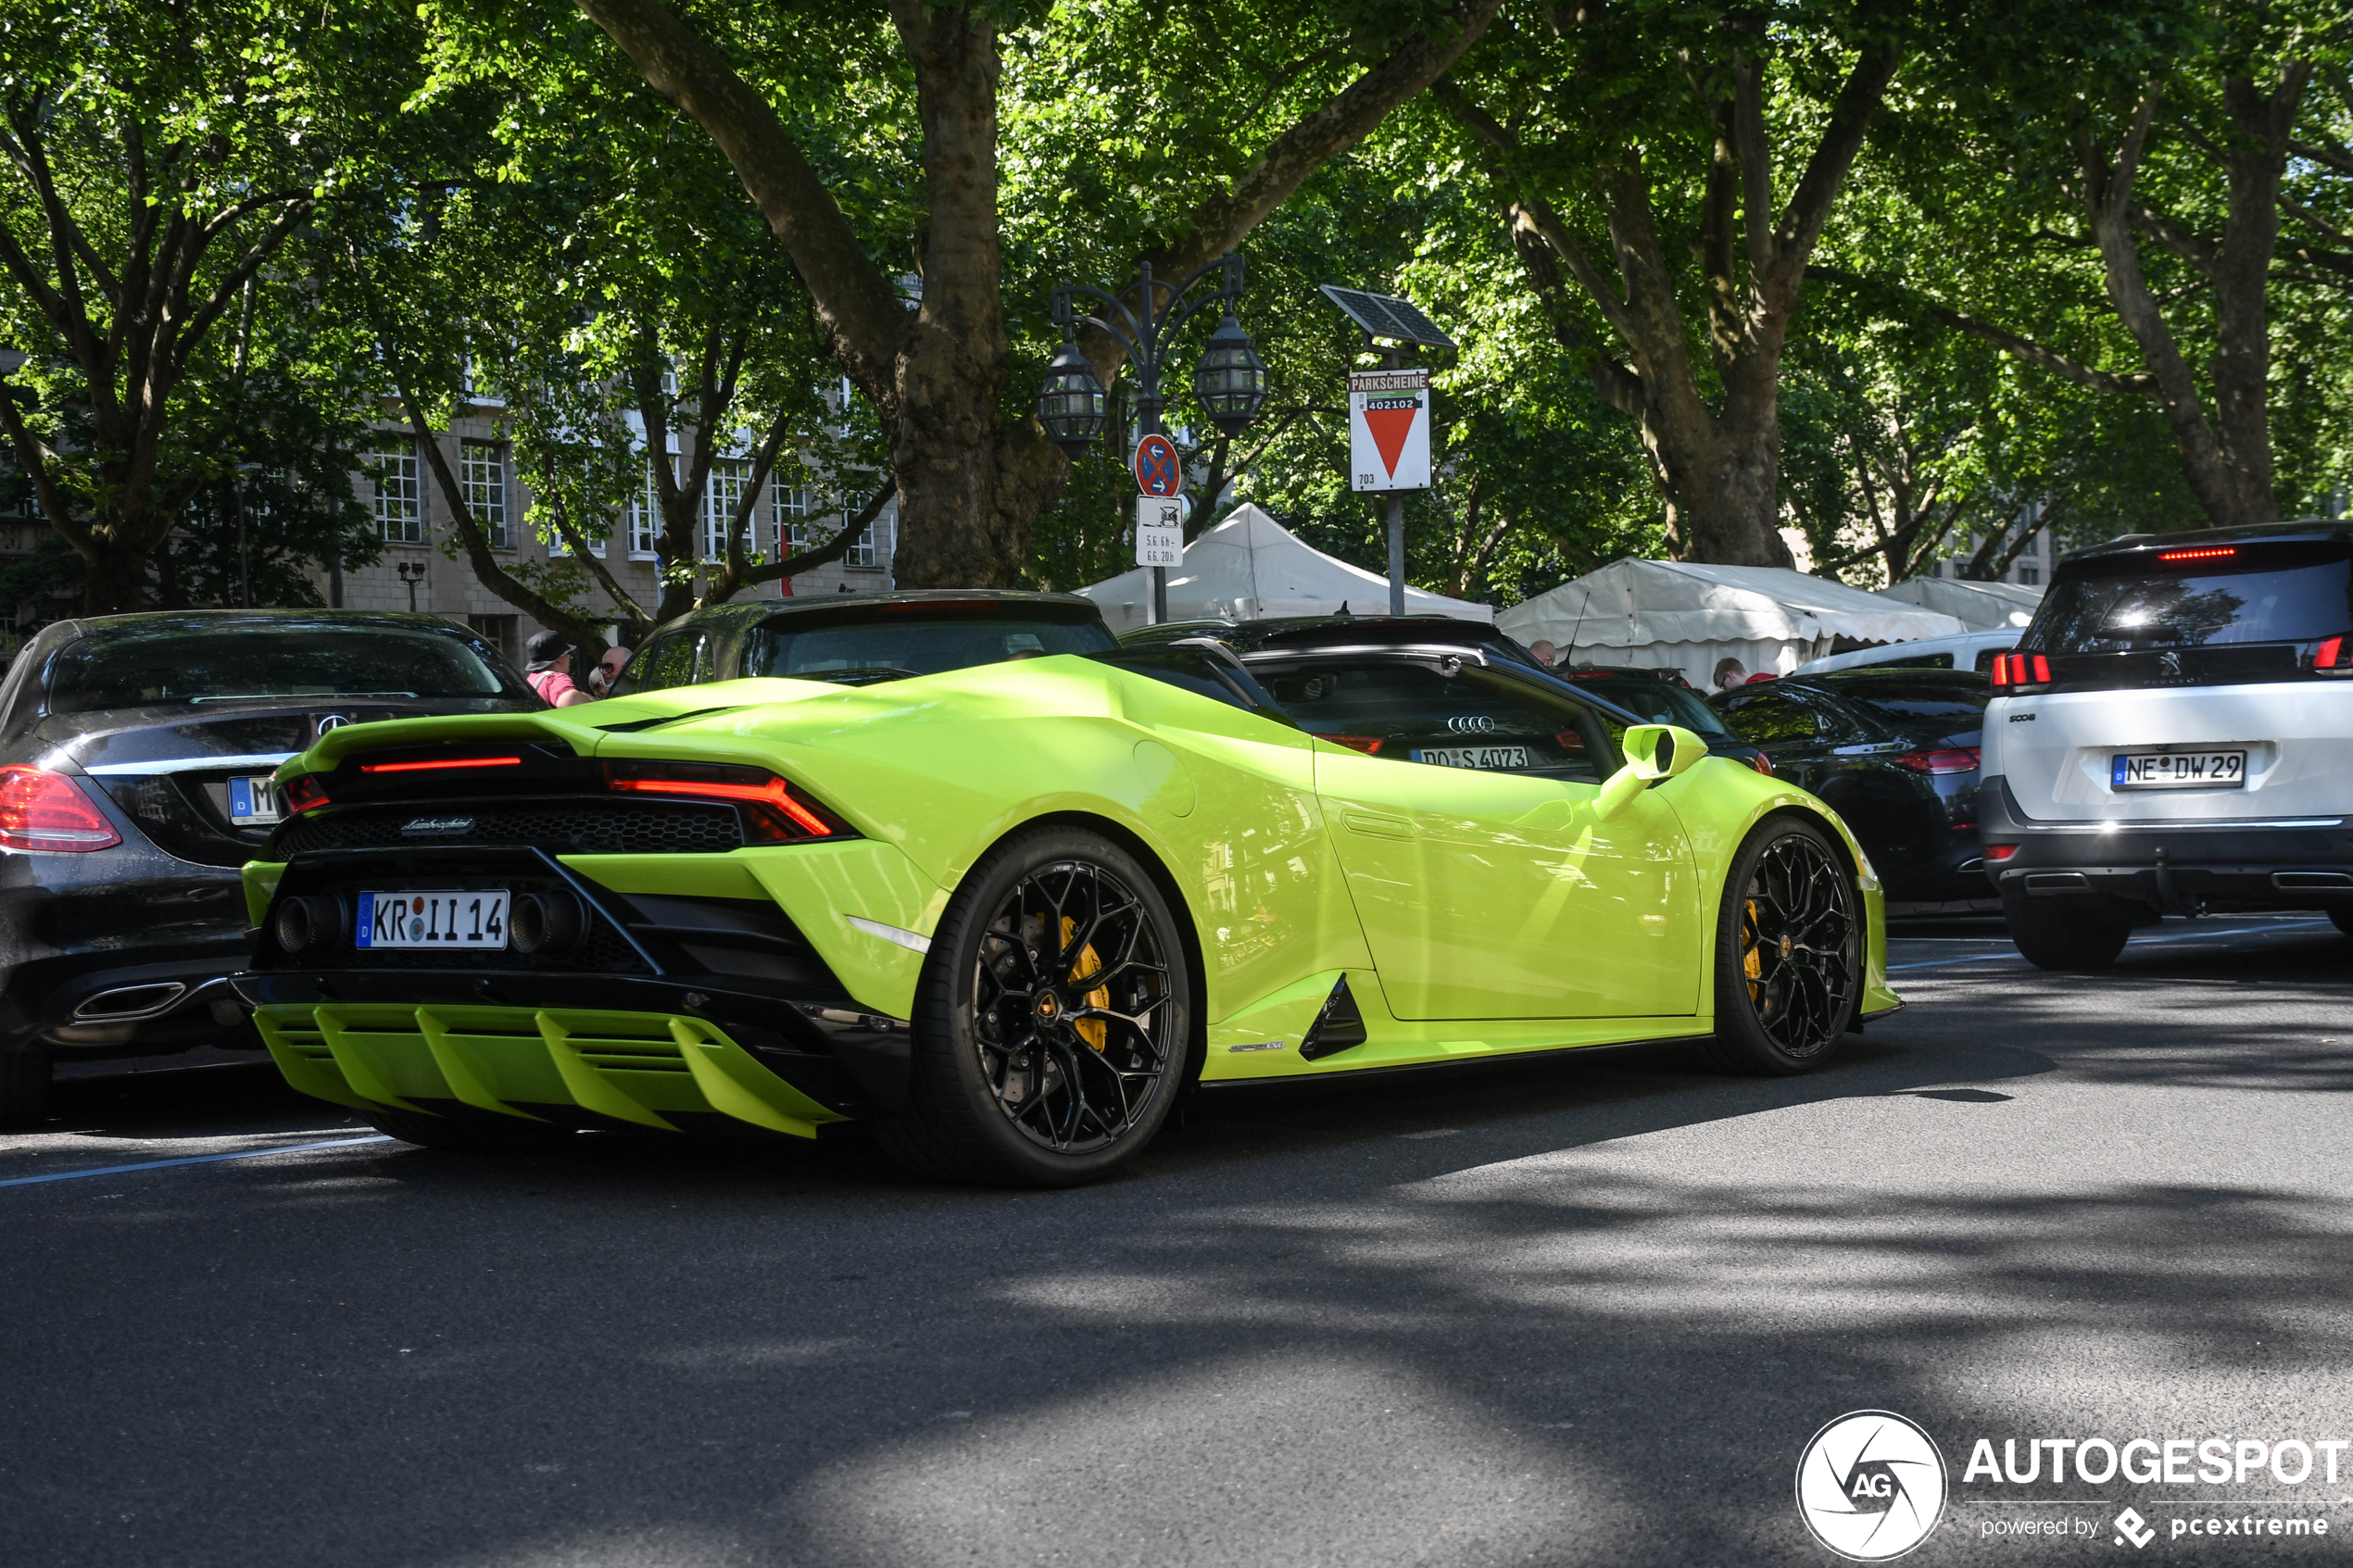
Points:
[(1870, 1486)]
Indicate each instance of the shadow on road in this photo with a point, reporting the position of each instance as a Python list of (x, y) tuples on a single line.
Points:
[(1584, 1310)]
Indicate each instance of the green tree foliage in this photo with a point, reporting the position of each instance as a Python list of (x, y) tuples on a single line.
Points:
[(169, 173)]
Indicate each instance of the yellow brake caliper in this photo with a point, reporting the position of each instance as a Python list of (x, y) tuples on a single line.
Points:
[(1094, 1031), (1752, 961)]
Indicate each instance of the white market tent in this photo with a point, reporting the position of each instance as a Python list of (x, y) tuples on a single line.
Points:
[(1983, 607), (1252, 568), (1685, 616)]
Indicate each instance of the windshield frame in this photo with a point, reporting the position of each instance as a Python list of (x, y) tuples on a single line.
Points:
[(759, 638)]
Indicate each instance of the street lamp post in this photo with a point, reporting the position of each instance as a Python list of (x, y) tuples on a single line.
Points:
[(411, 574), (1229, 379)]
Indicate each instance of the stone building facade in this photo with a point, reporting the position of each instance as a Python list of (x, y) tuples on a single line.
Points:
[(413, 517)]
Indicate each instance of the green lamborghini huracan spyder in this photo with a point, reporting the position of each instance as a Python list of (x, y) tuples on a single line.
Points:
[(1005, 915)]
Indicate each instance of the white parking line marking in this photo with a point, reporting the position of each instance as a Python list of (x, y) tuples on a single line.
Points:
[(2136, 942), (192, 1160)]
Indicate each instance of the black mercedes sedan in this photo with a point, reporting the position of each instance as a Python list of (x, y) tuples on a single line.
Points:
[(136, 759), (1894, 752), (859, 639)]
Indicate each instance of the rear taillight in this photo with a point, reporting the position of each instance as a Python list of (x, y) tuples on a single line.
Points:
[(39, 810), (2021, 671), (1958, 759), (2329, 657), (774, 805), (305, 793), (1762, 763)]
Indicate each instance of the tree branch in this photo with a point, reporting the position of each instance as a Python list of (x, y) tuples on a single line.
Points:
[(1850, 115), (2139, 384), (857, 305), (838, 546)]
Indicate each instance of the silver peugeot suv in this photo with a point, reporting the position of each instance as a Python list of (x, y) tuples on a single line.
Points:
[(2173, 734)]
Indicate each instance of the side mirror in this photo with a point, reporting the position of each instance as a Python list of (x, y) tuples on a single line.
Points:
[(1652, 752)]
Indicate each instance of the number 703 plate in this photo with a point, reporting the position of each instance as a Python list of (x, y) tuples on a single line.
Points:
[(473, 918)]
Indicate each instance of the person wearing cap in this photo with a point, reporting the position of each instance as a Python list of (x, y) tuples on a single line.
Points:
[(548, 666)]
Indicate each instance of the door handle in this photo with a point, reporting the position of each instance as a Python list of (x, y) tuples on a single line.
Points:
[(1374, 825)]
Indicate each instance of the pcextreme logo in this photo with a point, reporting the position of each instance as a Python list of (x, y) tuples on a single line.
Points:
[(1870, 1486)]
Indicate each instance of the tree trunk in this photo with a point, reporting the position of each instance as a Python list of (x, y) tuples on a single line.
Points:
[(952, 364), (970, 488), (114, 578), (1720, 470)]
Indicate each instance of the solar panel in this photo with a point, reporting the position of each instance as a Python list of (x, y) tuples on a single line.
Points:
[(1387, 315)]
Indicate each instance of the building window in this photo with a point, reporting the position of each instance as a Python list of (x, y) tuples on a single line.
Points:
[(645, 519), (500, 631), (864, 552), (2030, 576), (400, 491), (482, 476), (2034, 545), (730, 477), (794, 506)]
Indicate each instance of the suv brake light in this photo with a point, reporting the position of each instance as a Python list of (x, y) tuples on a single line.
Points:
[(2021, 671), (39, 810), (2330, 657)]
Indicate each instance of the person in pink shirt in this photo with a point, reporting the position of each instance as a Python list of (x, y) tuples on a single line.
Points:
[(548, 666)]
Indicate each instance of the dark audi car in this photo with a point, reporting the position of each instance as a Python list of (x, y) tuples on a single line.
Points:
[(1895, 753), (1659, 700), (859, 639), (135, 757)]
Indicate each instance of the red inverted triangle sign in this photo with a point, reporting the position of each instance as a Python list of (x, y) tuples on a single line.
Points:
[(1390, 428)]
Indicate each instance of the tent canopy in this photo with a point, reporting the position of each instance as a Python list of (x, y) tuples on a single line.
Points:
[(1687, 616), (1983, 607), (1252, 568)]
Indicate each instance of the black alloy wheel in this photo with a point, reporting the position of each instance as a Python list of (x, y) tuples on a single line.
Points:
[(1789, 951), (1053, 1020)]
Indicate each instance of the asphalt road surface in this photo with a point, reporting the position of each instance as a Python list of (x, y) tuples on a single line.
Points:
[(1580, 1312)]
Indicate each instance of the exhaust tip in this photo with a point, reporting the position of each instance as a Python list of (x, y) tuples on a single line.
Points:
[(124, 1003), (305, 924), (544, 922)]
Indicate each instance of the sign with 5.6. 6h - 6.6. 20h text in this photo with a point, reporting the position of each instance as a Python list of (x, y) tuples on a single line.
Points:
[(1160, 531), (1389, 430)]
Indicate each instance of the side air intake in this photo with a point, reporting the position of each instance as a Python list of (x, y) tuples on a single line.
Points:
[(1338, 1026)]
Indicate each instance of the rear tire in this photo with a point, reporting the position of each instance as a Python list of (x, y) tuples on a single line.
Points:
[(2073, 935), (2342, 917), (1052, 1020), (25, 1087), (464, 1134), (1789, 951)]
